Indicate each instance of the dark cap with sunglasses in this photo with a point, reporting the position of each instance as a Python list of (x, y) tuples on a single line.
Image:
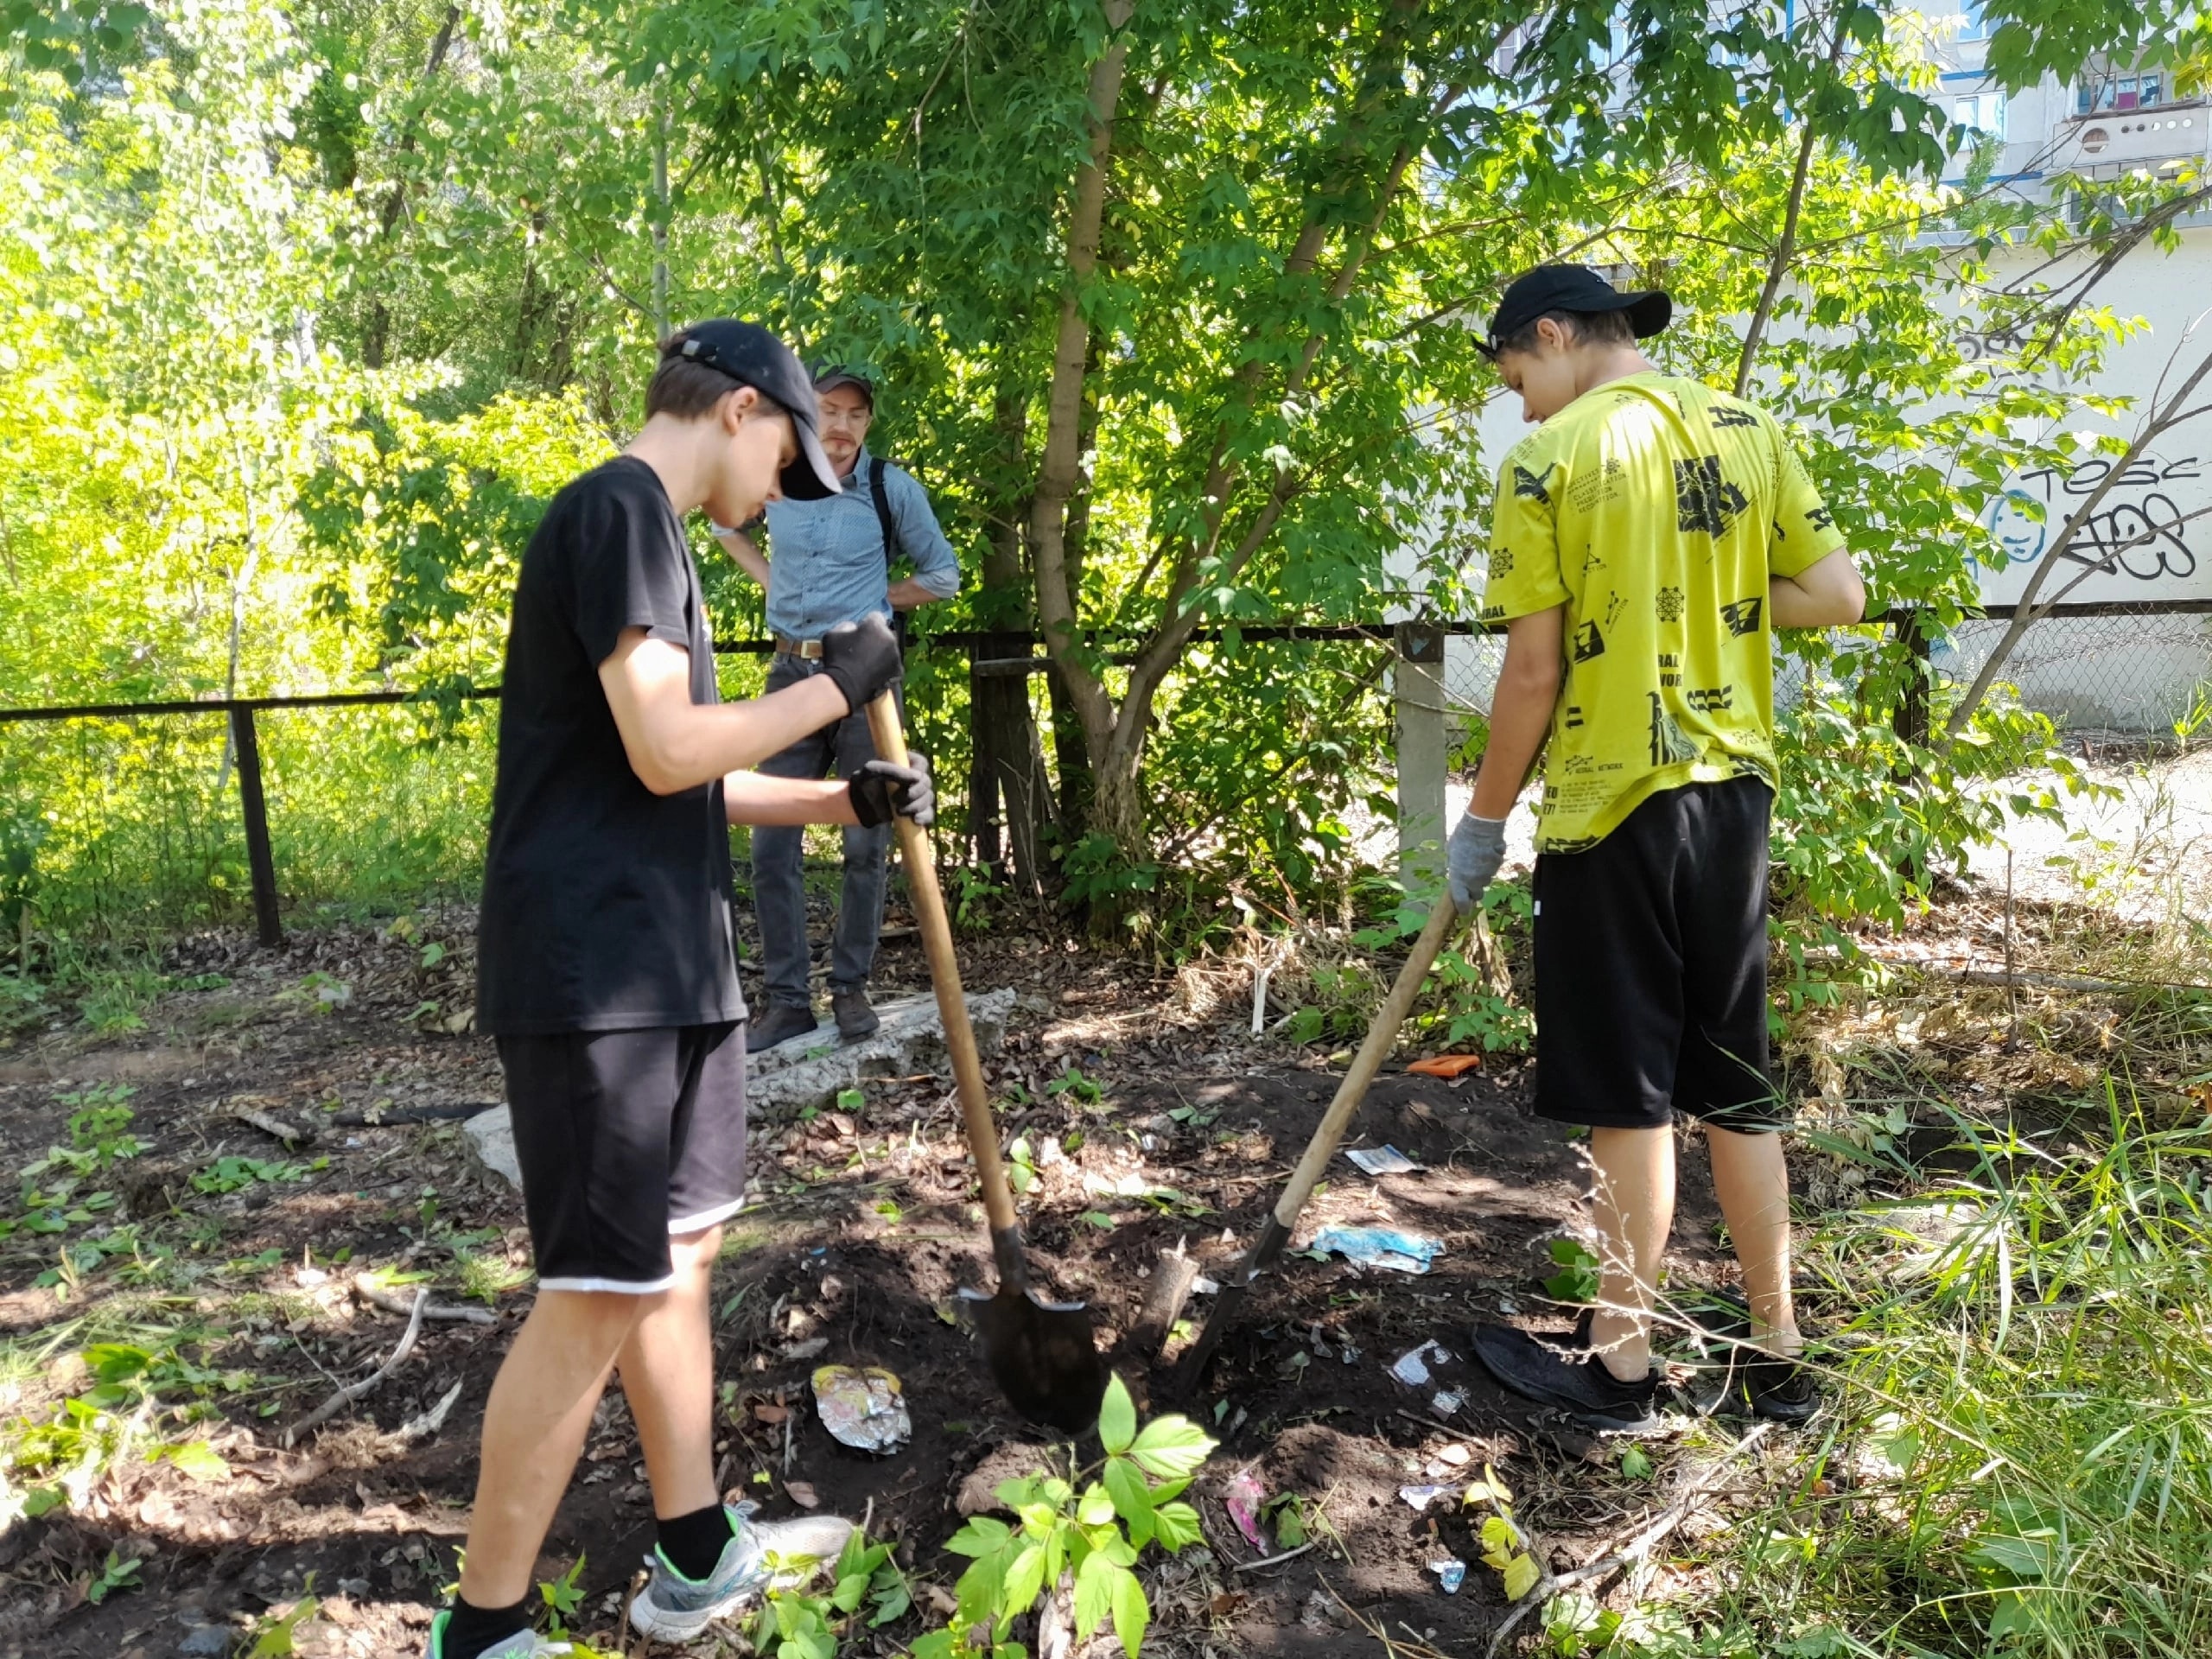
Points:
[(749, 354)]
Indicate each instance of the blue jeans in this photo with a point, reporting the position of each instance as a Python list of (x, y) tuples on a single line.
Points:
[(778, 871)]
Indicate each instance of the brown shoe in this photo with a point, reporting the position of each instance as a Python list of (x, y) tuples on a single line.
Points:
[(856, 1019)]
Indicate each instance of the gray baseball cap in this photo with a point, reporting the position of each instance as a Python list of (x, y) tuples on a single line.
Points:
[(748, 354)]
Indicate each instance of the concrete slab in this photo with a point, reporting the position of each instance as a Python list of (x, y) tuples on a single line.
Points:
[(808, 1071)]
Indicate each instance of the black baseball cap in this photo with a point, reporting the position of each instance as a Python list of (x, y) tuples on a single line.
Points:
[(836, 375), (1573, 288), (748, 354)]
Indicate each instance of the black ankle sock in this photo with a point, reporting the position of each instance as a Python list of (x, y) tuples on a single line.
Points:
[(473, 1628), (693, 1544)]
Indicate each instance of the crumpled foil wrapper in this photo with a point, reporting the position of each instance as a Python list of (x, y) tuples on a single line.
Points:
[(862, 1407)]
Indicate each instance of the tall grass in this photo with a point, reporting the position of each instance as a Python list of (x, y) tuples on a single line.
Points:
[(2022, 1458)]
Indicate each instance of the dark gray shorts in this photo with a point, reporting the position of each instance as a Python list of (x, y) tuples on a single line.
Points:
[(624, 1138)]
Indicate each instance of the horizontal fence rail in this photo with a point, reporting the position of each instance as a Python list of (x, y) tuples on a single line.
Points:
[(1021, 653)]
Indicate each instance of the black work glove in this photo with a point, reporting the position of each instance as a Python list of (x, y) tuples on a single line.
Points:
[(862, 658), (881, 789)]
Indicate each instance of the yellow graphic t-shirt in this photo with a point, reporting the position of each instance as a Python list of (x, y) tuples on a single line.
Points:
[(1654, 509)]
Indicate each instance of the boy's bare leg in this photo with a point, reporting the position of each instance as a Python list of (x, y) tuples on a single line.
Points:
[(668, 1376), (1634, 1207), (534, 1427), (1753, 1187)]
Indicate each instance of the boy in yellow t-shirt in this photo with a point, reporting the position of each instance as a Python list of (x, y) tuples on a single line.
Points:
[(1648, 538)]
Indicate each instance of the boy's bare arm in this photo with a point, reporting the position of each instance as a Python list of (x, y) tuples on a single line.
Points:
[(755, 798), (1521, 712), (674, 744), (1826, 594), (745, 551)]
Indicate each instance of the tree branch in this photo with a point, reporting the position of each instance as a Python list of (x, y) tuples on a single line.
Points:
[(1785, 246)]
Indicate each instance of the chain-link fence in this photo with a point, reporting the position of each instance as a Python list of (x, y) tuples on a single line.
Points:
[(2132, 670)]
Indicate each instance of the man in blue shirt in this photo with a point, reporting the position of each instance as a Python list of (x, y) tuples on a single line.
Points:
[(832, 563)]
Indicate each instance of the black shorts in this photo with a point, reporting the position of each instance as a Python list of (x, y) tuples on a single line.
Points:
[(624, 1138), (1651, 967)]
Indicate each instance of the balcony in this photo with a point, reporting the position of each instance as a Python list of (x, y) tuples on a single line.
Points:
[(2109, 141)]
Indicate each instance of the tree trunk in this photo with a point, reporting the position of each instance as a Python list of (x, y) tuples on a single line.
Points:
[(376, 333), (1007, 770)]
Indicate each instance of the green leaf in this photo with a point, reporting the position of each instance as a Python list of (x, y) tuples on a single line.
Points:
[(1636, 1463), (1024, 1578), (1131, 1613), (938, 1644), (199, 1460), (1176, 1528), (1094, 1594), (1097, 1508), (1125, 1485), (1170, 1447), (1117, 1417), (983, 1535), (1521, 1576)]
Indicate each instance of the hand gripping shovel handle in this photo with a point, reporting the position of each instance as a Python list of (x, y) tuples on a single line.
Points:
[(1381, 1037), (952, 1009)]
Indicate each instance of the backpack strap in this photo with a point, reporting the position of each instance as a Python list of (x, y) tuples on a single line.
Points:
[(878, 488)]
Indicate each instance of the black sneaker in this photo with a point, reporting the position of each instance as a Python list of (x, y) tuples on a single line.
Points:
[(855, 1020), (1751, 1383), (1583, 1388), (782, 1021)]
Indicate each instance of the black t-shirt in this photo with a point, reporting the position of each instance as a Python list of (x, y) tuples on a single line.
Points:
[(605, 906)]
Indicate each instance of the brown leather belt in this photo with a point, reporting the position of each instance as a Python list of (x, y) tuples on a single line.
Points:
[(806, 650)]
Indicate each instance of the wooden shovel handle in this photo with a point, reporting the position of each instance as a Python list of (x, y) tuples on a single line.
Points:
[(1382, 1036), (945, 975)]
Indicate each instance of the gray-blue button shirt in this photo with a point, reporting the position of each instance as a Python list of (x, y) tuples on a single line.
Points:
[(825, 558)]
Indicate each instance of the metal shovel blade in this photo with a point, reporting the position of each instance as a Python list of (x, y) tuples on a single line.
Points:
[(1042, 1355)]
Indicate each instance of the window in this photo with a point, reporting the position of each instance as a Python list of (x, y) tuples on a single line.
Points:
[(1972, 25), (2120, 93), (1983, 113)]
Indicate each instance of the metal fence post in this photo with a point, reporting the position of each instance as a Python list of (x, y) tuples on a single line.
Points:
[(1910, 720), (1417, 687), (258, 858)]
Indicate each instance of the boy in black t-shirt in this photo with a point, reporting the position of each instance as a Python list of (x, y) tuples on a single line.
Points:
[(606, 972)]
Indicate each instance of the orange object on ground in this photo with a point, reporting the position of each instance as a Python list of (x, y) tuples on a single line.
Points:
[(1446, 1065)]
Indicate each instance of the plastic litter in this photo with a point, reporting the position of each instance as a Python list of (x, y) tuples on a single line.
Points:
[(862, 1407), (1384, 1161), (1448, 1401), (1421, 1496), (1450, 1574), (1412, 1368), (1446, 1065), (1243, 1501), (1380, 1247)]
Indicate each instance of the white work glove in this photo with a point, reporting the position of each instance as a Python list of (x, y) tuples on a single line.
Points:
[(1471, 858)]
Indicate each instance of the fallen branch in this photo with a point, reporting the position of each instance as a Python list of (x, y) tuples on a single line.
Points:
[(1272, 1560), (2048, 982), (353, 1391), (421, 1428), (431, 1111), (272, 1125), (392, 1302), (1638, 1544)]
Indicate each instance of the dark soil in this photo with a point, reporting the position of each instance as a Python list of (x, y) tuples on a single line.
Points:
[(867, 1228)]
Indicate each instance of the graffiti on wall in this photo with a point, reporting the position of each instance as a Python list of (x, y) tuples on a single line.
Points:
[(2139, 535)]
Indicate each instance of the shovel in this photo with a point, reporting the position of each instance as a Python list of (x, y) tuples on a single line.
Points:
[(1380, 1036), (1041, 1353)]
